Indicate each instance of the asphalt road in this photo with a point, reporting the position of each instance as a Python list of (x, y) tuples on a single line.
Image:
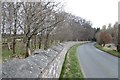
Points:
[(96, 63)]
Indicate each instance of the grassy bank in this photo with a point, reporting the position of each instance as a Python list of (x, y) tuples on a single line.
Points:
[(71, 68), (112, 52), (19, 50)]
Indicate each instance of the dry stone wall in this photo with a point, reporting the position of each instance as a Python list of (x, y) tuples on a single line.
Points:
[(41, 64)]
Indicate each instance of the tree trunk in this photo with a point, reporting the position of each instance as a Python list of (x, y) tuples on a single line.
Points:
[(51, 41), (46, 42), (35, 43), (40, 42), (103, 43), (9, 46), (14, 43), (27, 48)]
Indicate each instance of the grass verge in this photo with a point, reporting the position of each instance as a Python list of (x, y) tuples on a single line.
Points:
[(112, 52), (71, 68)]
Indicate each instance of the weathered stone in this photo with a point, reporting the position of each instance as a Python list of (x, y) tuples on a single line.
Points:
[(57, 48), (17, 68), (52, 53), (39, 60), (41, 64), (39, 51), (10, 68), (28, 70)]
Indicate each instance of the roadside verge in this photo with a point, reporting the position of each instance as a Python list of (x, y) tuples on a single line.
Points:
[(71, 67), (112, 52)]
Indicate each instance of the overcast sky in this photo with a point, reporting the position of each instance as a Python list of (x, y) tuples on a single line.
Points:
[(100, 12)]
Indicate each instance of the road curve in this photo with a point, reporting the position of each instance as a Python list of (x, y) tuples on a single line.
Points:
[(96, 63)]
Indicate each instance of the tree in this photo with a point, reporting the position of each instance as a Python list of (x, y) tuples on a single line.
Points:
[(39, 18), (104, 27), (53, 20), (75, 28), (41, 22), (35, 14), (103, 38), (10, 21)]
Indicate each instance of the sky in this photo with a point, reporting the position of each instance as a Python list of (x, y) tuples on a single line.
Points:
[(99, 12)]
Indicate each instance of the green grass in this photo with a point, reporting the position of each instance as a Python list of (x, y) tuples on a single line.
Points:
[(112, 52), (71, 68), (7, 54), (20, 50)]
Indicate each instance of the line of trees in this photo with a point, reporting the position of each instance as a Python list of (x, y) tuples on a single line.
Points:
[(41, 23), (108, 34), (75, 28)]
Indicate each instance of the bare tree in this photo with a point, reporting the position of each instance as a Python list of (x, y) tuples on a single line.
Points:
[(10, 15), (36, 18), (41, 22), (53, 20)]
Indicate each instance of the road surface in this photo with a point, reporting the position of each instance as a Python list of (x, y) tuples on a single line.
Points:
[(96, 63)]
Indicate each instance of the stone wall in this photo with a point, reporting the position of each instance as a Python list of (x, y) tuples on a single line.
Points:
[(41, 64)]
